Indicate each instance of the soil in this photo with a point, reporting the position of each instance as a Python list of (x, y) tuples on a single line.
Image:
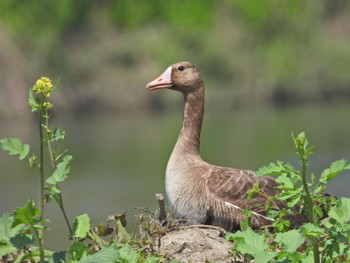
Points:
[(197, 244)]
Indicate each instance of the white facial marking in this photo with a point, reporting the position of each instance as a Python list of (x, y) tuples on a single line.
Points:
[(167, 73)]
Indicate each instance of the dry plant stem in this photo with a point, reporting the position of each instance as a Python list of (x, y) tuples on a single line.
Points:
[(162, 213), (65, 215)]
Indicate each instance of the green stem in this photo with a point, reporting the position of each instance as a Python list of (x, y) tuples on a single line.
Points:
[(40, 234), (54, 166), (41, 165), (40, 242), (309, 210), (308, 199)]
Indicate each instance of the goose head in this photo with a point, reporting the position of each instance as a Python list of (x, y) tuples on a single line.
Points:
[(181, 76)]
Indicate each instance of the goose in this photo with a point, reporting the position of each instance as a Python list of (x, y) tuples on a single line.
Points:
[(197, 191)]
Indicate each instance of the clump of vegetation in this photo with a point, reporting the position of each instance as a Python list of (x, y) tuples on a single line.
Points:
[(313, 227), (22, 232), (323, 235)]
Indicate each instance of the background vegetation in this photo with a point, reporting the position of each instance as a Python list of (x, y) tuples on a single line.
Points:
[(251, 53)]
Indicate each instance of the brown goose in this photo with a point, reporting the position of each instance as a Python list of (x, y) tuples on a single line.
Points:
[(199, 192)]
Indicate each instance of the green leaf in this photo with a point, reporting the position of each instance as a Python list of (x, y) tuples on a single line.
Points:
[(56, 135), (81, 226), (77, 250), (12, 237), (277, 168), (105, 255), (6, 249), (6, 229), (254, 190), (14, 146), (291, 240), (34, 105), (27, 214), (341, 212), (285, 181), (312, 230), (127, 254), (336, 168), (61, 172), (249, 242)]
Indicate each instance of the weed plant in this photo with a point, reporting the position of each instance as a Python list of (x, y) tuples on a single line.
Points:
[(22, 232), (313, 226)]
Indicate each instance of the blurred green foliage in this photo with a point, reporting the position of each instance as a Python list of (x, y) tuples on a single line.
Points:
[(255, 52)]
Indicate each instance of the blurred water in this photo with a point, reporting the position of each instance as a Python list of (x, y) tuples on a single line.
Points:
[(119, 161)]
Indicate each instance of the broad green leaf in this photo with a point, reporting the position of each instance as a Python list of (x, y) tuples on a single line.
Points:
[(155, 259), (6, 249), (309, 258), (6, 229), (341, 212), (264, 256), (285, 181), (249, 242), (313, 230), (27, 214), (81, 226), (14, 146), (77, 249), (127, 254), (61, 172), (291, 240), (336, 168), (290, 194), (105, 255)]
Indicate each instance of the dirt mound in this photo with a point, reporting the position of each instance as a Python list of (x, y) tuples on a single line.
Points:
[(197, 244)]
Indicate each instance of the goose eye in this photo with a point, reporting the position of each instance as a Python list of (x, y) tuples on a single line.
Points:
[(181, 68)]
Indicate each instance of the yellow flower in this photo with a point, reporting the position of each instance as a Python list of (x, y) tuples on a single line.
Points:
[(43, 86), (47, 105)]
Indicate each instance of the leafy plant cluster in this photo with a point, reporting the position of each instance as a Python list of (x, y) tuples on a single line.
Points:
[(313, 226), (22, 232)]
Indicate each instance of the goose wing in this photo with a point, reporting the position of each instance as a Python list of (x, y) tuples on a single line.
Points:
[(232, 185)]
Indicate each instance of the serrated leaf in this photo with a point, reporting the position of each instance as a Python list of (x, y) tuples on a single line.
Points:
[(77, 250), (127, 254), (336, 168), (291, 240), (105, 255), (6, 249), (81, 226), (290, 194), (61, 172), (14, 146), (6, 229), (264, 256), (248, 242), (341, 212), (312, 230), (27, 214), (33, 102), (56, 135), (285, 181), (277, 168)]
